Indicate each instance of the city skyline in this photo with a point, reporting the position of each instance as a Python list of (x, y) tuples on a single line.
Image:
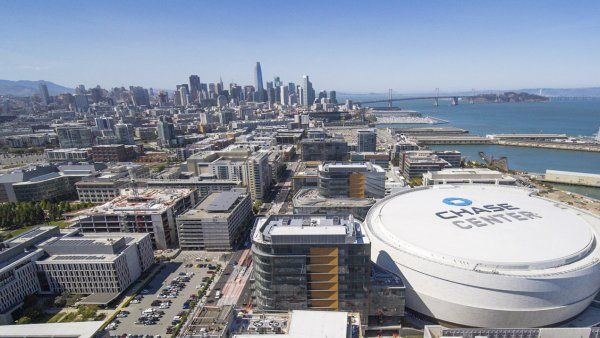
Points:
[(407, 47)]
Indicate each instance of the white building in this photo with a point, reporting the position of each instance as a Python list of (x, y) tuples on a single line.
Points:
[(148, 210), (468, 176)]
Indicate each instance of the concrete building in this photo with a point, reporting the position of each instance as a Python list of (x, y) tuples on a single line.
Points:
[(151, 211), (67, 155), (91, 329), (329, 149), (74, 136), (354, 180), (202, 186), (311, 262), (303, 324), (575, 178), (113, 153), (95, 263), (415, 163), (47, 260), (217, 223), (308, 201), (381, 159), (366, 140), (400, 148), (236, 164), (18, 270), (453, 157), (468, 176)]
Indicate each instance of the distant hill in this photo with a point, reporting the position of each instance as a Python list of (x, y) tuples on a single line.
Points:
[(28, 88), (565, 92)]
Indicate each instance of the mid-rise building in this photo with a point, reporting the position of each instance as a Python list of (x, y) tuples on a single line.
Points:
[(354, 180), (113, 153), (217, 223), (46, 260), (381, 159), (166, 132), (467, 176), (319, 149), (67, 155), (400, 148), (74, 136), (151, 211), (311, 262), (367, 140), (96, 263), (415, 163)]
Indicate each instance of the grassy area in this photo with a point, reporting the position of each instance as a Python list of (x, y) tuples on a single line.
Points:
[(13, 233), (61, 224)]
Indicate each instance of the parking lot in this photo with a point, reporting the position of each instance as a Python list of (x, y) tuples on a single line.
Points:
[(178, 269)]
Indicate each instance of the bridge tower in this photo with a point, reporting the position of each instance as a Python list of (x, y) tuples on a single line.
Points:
[(390, 98), (455, 100), (472, 98), (436, 101)]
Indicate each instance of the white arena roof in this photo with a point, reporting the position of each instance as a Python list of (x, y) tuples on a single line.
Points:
[(487, 225), (485, 255)]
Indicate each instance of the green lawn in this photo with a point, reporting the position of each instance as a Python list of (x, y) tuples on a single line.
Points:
[(61, 224)]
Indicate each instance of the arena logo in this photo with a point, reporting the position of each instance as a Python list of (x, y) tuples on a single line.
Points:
[(494, 213)]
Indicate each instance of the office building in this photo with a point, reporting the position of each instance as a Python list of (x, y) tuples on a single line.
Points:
[(381, 159), (151, 211), (416, 163), (18, 270), (258, 83), (139, 96), (309, 201), (449, 243), (453, 157), (467, 176), (308, 93), (366, 140), (124, 133), (45, 260), (183, 95), (302, 324), (330, 149), (82, 105), (354, 180), (166, 132), (195, 87), (44, 93), (74, 136), (217, 223), (113, 153), (311, 262), (67, 155), (235, 164), (95, 263), (400, 148)]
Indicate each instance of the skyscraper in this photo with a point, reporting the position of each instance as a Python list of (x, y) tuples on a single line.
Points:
[(308, 95), (183, 94), (44, 93), (367, 140), (194, 87), (258, 83), (332, 97), (284, 94), (166, 132)]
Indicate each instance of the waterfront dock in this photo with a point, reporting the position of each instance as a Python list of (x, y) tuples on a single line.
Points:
[(573, 178)]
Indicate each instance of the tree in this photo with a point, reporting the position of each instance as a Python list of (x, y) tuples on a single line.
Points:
[(23, 320), (256, 206)]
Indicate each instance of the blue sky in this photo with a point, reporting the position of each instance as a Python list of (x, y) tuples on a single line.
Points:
[(359, 46)]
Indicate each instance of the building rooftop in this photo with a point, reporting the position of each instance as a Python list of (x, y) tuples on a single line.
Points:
[(312, 197), (71, 330), (216, 205), (298, 229), (147, 201), (302, 324)]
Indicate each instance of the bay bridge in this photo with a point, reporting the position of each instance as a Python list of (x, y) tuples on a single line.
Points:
[(436, 99)]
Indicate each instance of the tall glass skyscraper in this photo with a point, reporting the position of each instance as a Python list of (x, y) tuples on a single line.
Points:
[(258, 83)]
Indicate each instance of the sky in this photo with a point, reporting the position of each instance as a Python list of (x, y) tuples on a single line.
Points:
[(348, 46)]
